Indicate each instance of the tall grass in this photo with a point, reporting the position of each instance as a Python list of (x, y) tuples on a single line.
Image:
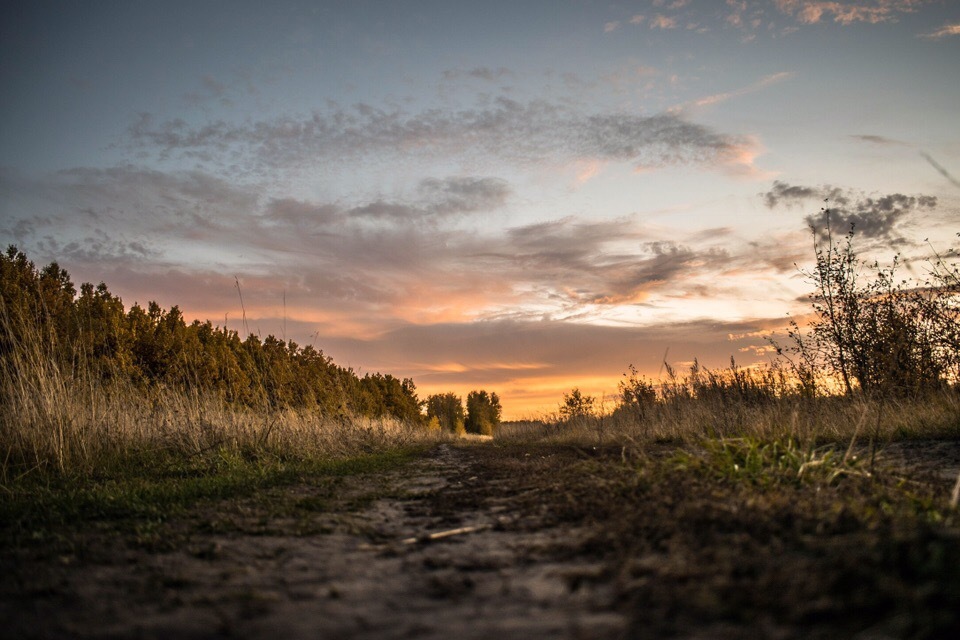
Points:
[(749, 403), (59, 417)]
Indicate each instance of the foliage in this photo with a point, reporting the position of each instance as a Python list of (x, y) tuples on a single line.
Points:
[(576, 406), (872, 332), (637, 394), (769, 462), (91, 333), (483, 412), (447, 409)]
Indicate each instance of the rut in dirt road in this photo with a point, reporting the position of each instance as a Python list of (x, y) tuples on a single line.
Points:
[(371, 573)]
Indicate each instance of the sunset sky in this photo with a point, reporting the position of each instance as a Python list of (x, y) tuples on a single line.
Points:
[(520, 196)]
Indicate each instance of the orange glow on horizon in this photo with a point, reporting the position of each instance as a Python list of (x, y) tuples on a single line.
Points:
[(533, 398)]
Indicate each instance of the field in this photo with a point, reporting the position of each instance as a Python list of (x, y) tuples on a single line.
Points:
[(537, 533)]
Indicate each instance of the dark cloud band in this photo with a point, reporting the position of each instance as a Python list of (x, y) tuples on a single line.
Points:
[(507, 129)]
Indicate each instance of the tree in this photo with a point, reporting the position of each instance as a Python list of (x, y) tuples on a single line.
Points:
[(637, 394), (483, 412), (871, 332), (576, 406), (447, 408), (385, 395)]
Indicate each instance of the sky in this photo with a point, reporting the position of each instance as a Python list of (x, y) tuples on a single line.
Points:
[(523, 196)]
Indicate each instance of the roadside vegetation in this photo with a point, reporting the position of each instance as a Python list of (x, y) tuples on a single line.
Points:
[(112, 413), (879, 360)]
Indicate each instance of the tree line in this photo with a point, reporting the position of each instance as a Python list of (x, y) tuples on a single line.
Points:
[(91, 332)]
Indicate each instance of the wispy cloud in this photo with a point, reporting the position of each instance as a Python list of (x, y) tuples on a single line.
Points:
[(782, 193), (947, 30), (755, 17), (423, 256), (718, 98), (737, 9), (846, 13), (587, 263), (878, 140), (529, 362), (507, 129), (661, 21), (480, 73), (940, 169)]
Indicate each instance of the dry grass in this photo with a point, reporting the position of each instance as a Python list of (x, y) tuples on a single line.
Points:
[(59, 420), (809, 420)]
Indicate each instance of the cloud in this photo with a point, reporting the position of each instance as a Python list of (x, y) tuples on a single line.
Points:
[(211, 89), (879, 140), (463, 194), (940, 169), (661, 21), (735, 17), (783, 193), (530, 363), (876, 218), (610, 262), (480, 73), (872, 217), (424, 256), (610, 27), (768, 16), (440, 198), (506, 129), (945, 31), (845, 12), (128, 204), (765, 81)]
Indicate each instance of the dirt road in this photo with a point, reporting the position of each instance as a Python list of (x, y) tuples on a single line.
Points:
[(528, 542), (346, 572)]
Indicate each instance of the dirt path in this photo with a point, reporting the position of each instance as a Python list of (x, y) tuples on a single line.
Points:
[(535, 541), (356, 573)]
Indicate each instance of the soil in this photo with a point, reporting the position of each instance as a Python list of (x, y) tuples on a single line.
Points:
[(527, 541)]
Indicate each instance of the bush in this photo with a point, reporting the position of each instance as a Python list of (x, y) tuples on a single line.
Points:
[(871, 332)]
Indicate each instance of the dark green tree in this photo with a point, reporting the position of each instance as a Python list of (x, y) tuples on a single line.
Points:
[(447, 408), (41, 315), (483, 412)]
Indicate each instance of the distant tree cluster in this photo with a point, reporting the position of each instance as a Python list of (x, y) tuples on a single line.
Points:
[(447, 410), (482, 414), (92, 332)]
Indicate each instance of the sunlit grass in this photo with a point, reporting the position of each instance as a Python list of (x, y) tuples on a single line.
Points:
[(60, 421)]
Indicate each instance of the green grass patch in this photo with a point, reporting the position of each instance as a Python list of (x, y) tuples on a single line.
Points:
[(138, 498), (764, 462)]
